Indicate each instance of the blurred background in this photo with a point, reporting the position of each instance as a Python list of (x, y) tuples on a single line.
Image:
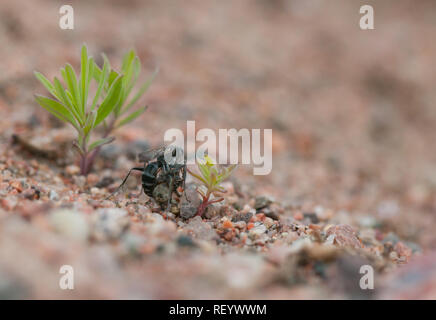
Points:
[(353, 112)]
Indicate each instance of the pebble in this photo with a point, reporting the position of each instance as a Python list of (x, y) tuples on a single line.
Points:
[(344, 236), (30, 194), (188, 209), (257, 231), (9, 203), (185, 241), (242, 217), (268, 222), (105, 182), (95, 191), (71, 224), (72, 170), (229, 187), (80, 181), (240, 225), (367, 222), (201, 229), (311, 216), (212, 210), (53, 195), (298, 216), (92, 179), (109, 223), (16, 185), (262, 202)]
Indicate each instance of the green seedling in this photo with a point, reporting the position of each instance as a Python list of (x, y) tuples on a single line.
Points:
[(211, 176), (72, 104), (131, 68)]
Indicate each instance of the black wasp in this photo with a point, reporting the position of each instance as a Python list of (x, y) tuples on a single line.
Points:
[(164, 171)]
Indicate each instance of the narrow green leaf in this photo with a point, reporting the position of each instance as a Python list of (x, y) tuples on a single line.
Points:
[(90, 121), (57, 109), (127, 60), (73, 86), (128, 72), (100, 142), (110, 101), (131, 117), (139, 94), (137, 68), (112, 76), (205, 173), (97, 72), (197, 176), (102, 80), (84, 74), (91, 71), (60, 92), (45, 82)]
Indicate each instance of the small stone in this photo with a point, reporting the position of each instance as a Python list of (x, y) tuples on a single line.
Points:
[(30, 194), (227, 224), (72, 170), (262, 202), (185, 241), (268, 222), (79, 181), (71, 224), (242, 217), (298, 216), (109, 223), (367, 222), (212, 210), (92, 179), (105, 182), (311, 216), (229, 187), (240, 225), (344, 236), (391, 238), (257, 231), (53, 195), (189, 202), (95, 191), (16, 185), (393, 255), (200, 229), (9, 203), (271, 213), (403, 251)]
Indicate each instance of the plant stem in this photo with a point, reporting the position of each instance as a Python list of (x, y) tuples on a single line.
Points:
[(83, 157), (89, 158), (205, 203)]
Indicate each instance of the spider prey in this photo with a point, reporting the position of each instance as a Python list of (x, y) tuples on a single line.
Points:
[(164, 171)]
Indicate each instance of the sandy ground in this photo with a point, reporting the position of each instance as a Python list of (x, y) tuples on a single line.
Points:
[(353, 179)]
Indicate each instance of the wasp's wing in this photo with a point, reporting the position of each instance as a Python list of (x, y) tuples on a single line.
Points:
[(150, 154)]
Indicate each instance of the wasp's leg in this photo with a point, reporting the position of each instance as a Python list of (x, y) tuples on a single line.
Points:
[(140, 192), (184, 183), (170, 193), (125, 179)]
